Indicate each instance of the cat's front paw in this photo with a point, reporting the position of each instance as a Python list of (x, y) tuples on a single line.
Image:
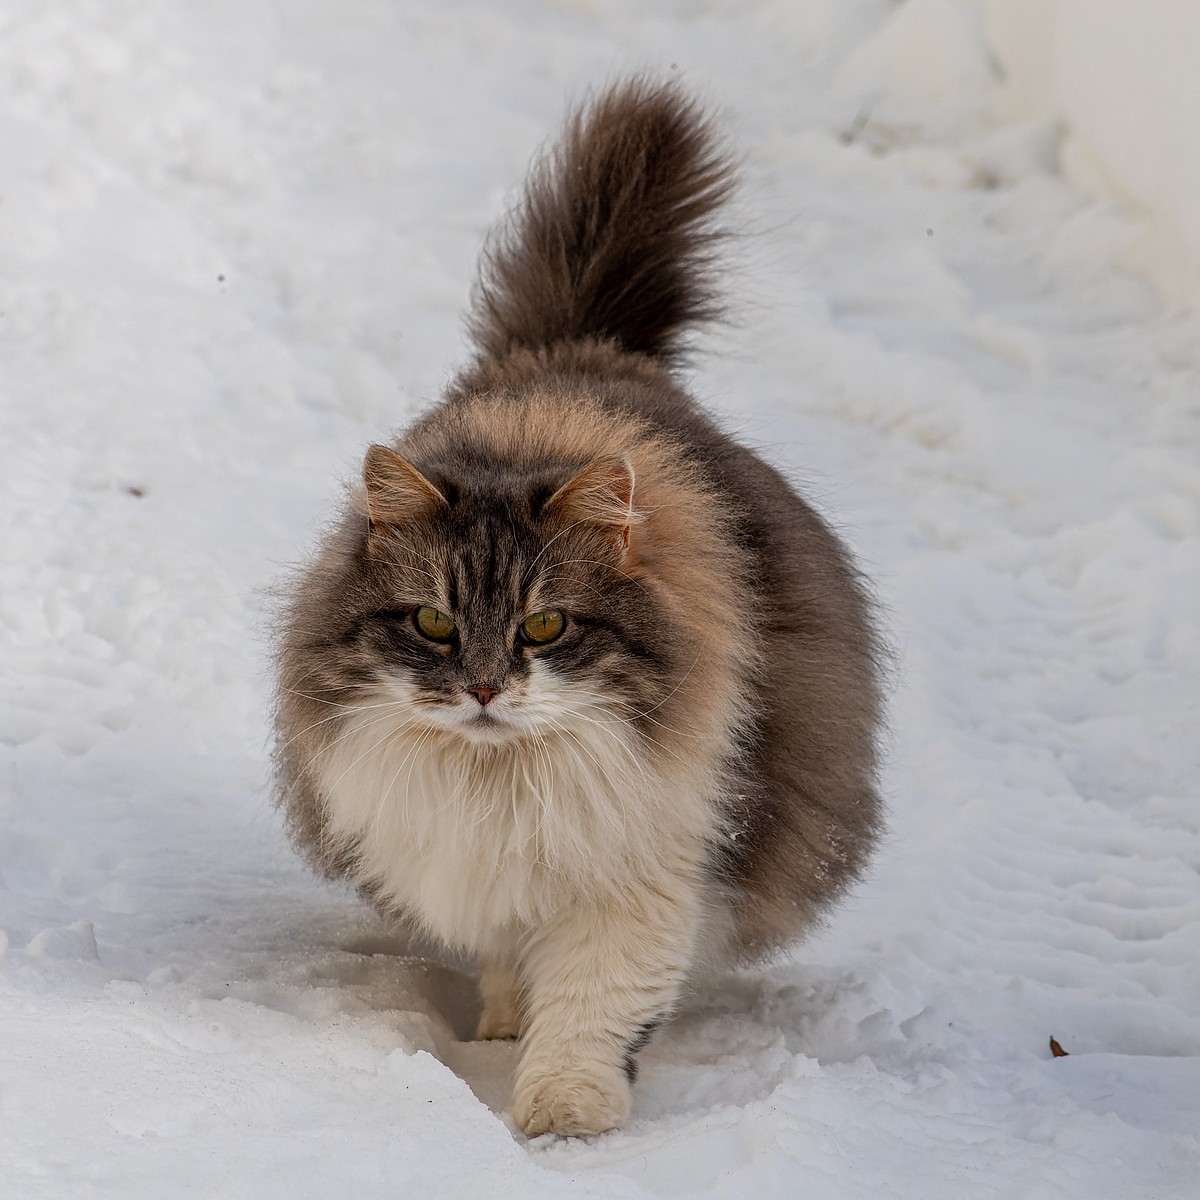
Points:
[(572, 1104), (498, 1021), (503, 1014)]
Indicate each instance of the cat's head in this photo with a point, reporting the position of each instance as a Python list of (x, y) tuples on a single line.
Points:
[(499, 604)]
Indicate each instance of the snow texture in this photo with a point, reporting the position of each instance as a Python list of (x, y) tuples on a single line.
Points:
[(1129, 94), (236, 242)]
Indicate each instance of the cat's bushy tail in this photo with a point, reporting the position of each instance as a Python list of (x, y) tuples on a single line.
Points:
[(613, 238)]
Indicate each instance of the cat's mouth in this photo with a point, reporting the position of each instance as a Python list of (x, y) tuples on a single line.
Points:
[(490, 724), (488, 727), (497, 722)]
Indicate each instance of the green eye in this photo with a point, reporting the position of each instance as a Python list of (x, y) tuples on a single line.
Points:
[(543, 627), (434, 625)]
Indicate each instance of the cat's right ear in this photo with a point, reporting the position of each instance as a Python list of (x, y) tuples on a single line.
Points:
[(396, 491), (600, 495)]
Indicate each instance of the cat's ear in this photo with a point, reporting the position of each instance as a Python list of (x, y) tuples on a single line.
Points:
[(396, 490), (602, 495)]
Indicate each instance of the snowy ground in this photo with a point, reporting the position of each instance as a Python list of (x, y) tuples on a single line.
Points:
[(235, 241)]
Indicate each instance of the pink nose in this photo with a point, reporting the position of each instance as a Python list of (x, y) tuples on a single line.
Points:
[(484, 694)]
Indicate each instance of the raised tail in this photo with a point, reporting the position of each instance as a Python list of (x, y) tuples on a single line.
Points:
[(613, 238)]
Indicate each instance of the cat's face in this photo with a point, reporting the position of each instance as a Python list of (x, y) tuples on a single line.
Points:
[(506, 608)]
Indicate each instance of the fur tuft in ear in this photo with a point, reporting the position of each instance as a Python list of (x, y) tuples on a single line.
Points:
[(396, 490), (601, 494)]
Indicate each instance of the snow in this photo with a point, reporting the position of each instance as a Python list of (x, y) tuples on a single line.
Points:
[(237, 241), (1128, 93)]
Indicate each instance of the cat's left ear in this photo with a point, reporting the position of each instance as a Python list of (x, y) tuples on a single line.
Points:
[(601, 495), (396, 490)]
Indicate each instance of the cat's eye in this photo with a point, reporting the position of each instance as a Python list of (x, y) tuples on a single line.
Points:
[(434, 625), (540, 628)]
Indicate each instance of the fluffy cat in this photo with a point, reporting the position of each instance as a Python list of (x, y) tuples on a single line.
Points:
[(578, 684)]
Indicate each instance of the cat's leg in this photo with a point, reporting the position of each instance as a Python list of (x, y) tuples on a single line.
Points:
[(599, 978), (503, 1001)]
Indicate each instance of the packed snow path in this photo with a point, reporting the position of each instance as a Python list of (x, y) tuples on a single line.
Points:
[(235, 243)]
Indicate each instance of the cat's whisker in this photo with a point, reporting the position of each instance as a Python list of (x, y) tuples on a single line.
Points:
[(638, 772), (551, 576), (675, 689), (605, 704), (291, 691), (282, 749), (482, 812), (385, 792), (401, 566), (615, 790), (642, 733), (365, 754), (408, 548), (540, 793), (391, 705), (352, 729), (421, 740), (545, 812), (388, 712), (538, 555), (592, 562), (516, 775)]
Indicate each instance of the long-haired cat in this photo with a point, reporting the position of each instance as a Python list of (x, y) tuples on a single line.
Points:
[(579, 685)]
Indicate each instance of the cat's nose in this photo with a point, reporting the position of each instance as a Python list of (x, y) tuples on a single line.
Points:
[(484, 694)]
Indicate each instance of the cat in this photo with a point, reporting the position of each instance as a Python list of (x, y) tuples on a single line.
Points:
[(579, 685)]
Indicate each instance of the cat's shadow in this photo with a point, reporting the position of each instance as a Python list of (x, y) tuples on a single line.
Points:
[(438, 995), (450, 984)]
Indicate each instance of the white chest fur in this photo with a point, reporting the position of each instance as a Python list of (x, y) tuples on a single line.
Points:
[(481, 841)]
